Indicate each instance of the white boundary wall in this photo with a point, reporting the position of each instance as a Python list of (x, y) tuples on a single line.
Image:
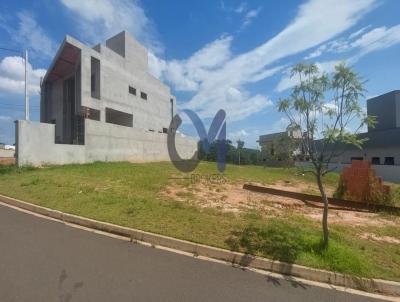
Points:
[(387, 172), (103, 142), (6, 153)]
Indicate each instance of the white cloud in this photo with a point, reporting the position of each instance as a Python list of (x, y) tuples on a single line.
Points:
[(359, 32), (279, 125), (329, 107), (317, 52), (223, 84), (12, 76), (249, 17), (157, 66), (29, 34), (5, 118), (287, 81), (186, 75), (240, 134), (377, 39), (316, 22), (243, 11), (102, 19), (361, 41), (241, 8)]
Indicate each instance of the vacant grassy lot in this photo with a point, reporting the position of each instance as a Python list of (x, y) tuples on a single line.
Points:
[(131, 195)]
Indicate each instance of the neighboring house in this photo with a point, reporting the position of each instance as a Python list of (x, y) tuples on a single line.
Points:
[(382, 145), (273, 143), (100, 104)]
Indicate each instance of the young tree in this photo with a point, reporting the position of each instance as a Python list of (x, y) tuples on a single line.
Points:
[(284, 147), (324, 108)]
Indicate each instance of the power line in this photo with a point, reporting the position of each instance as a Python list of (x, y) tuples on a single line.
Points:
[(18, 105), (10, 49)]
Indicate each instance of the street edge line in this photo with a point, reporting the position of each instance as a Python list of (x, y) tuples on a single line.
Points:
[(370, 285)]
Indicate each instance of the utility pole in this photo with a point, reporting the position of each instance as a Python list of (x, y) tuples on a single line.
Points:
[(26, 87), (240, 145)]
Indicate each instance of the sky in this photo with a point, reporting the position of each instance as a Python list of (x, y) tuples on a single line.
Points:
[(231, 55)]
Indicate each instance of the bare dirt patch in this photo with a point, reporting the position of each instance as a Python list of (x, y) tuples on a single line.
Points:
[(386, 239), (7, 161), (231, 197), (300, 187)]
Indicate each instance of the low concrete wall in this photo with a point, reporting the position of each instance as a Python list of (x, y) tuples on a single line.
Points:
[(109, 142), (35, 146), (103, 142), (388, 173), (6, 153)]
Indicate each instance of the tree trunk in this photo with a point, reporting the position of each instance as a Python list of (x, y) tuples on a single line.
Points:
[(325, 214)]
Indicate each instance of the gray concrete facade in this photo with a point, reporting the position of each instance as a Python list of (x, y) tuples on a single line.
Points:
[(386, 109), (104, 142), (100, 103), (382, 143), (381, 146)]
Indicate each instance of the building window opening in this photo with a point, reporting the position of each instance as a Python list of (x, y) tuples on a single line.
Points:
[(95, 78), (376, 161), (91, 114), (132, 90), (165, 130), (389, 161), (119, 118), (143, 95)]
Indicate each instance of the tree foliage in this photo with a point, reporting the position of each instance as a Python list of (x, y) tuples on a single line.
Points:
[(328, 112), (283, 148), (247, 156)]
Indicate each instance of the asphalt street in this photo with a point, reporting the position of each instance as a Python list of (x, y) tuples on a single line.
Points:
[(44, 260)]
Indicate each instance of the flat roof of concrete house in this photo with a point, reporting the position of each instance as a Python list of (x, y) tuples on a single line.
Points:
[(386, 108), (380, 139), (123, 44), (378, 98), (65, 54), (270, 137)]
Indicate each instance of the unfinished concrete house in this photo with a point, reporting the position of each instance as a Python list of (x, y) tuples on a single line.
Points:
[(100, 104)]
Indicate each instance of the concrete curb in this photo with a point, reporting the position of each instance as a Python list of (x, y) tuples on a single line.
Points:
[(370, 285)]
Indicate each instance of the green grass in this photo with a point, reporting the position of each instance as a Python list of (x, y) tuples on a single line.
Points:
[(395, 188), (129, 195)]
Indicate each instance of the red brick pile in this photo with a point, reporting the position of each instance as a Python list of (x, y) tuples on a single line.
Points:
[(359, 182)]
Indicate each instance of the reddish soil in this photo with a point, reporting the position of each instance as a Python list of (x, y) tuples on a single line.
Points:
[(7, 161), (231, 197)]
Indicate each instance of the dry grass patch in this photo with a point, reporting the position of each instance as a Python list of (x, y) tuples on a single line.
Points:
[(231, 197)]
